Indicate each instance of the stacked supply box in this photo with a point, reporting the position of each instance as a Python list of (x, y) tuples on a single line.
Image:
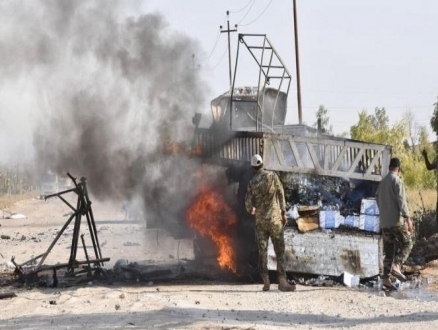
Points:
[(369, 215), (330, 219), (352, 221)]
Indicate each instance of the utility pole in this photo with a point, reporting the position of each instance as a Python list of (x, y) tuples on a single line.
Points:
[(297, 64), (228, 31)]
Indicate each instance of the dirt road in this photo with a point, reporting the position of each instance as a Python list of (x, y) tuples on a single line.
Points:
[(199, 305)]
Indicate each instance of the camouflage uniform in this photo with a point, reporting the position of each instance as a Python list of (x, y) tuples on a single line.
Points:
[(395, 238), (265, 193), (393, 208)]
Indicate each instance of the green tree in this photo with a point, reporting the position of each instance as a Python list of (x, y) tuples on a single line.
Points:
[(406, 143), (415, 173), (376, 129), (322, 115)]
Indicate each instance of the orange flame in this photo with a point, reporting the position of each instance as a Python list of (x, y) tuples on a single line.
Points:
[(174, 148), (211, 216), (196, 150), (181, 148)]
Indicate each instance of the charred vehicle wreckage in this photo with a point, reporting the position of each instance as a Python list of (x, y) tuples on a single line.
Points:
[(34, 269), (329, 182)]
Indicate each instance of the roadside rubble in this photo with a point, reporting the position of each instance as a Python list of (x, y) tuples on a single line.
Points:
[(5, 214), (7, 295), (16, 216)]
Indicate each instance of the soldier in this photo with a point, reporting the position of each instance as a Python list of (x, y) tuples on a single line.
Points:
[(432, 166), (265, 199), (395, 223)]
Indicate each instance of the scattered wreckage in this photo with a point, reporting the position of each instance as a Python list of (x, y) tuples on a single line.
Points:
[(28, 271)]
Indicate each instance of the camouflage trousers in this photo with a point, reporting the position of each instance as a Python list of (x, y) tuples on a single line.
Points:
[(264, 229), (397, 245)]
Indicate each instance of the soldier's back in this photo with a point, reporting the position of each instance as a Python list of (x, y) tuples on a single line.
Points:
[(264, 193)]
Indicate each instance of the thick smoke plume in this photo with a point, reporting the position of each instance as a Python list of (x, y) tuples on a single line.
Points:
[(101, 91)]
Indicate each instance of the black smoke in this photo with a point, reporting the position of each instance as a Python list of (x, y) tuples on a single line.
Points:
[(108, 89)]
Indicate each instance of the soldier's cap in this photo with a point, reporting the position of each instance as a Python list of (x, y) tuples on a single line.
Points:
[(394, 162), (256, 160)]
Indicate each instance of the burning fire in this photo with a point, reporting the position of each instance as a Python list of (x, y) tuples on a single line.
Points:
[(175, 148), (210, 215), (196, 150), (181, 148)]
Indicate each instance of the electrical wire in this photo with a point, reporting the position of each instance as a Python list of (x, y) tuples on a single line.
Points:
[(220, 60), (214, 47), (247, 12), (215, 43), (238, 11), (250, 4), (263, 11)]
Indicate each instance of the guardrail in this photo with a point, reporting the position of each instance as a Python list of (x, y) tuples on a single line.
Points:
[(319, 155)]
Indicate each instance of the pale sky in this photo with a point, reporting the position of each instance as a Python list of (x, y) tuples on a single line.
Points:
[(354, 54)]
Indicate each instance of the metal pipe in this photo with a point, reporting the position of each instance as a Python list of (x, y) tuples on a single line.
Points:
[(76, 230), (45, 254), (91, 222), (258, 88), (86, 255), (229, 48), (233, 84), (297, 63)]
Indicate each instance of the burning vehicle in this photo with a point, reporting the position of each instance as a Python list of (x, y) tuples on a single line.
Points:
[(329, 181)]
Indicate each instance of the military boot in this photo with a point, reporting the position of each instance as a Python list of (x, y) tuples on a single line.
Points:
[(284, 285), (266, 284)]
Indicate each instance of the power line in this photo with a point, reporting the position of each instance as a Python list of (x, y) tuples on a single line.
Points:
[(247, 12), (220, 60), (214, 47), (238, 11), (263, 11), (216, 42), (228, 31), (251, 2)]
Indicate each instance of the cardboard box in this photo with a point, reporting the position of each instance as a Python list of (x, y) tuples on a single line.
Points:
[(369, 223), (351, 280), (352, 221), (330, 219), (369, 206)]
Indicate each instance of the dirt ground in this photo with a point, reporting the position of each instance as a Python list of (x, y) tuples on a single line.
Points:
[(198, 305)]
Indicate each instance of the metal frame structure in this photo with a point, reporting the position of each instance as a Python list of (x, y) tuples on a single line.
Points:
[(328, 156), (83, 208), (271, 68)]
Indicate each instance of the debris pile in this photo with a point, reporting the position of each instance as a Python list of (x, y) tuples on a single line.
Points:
[(329, 203), (425, 248), (28, 271), (329, 193)]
